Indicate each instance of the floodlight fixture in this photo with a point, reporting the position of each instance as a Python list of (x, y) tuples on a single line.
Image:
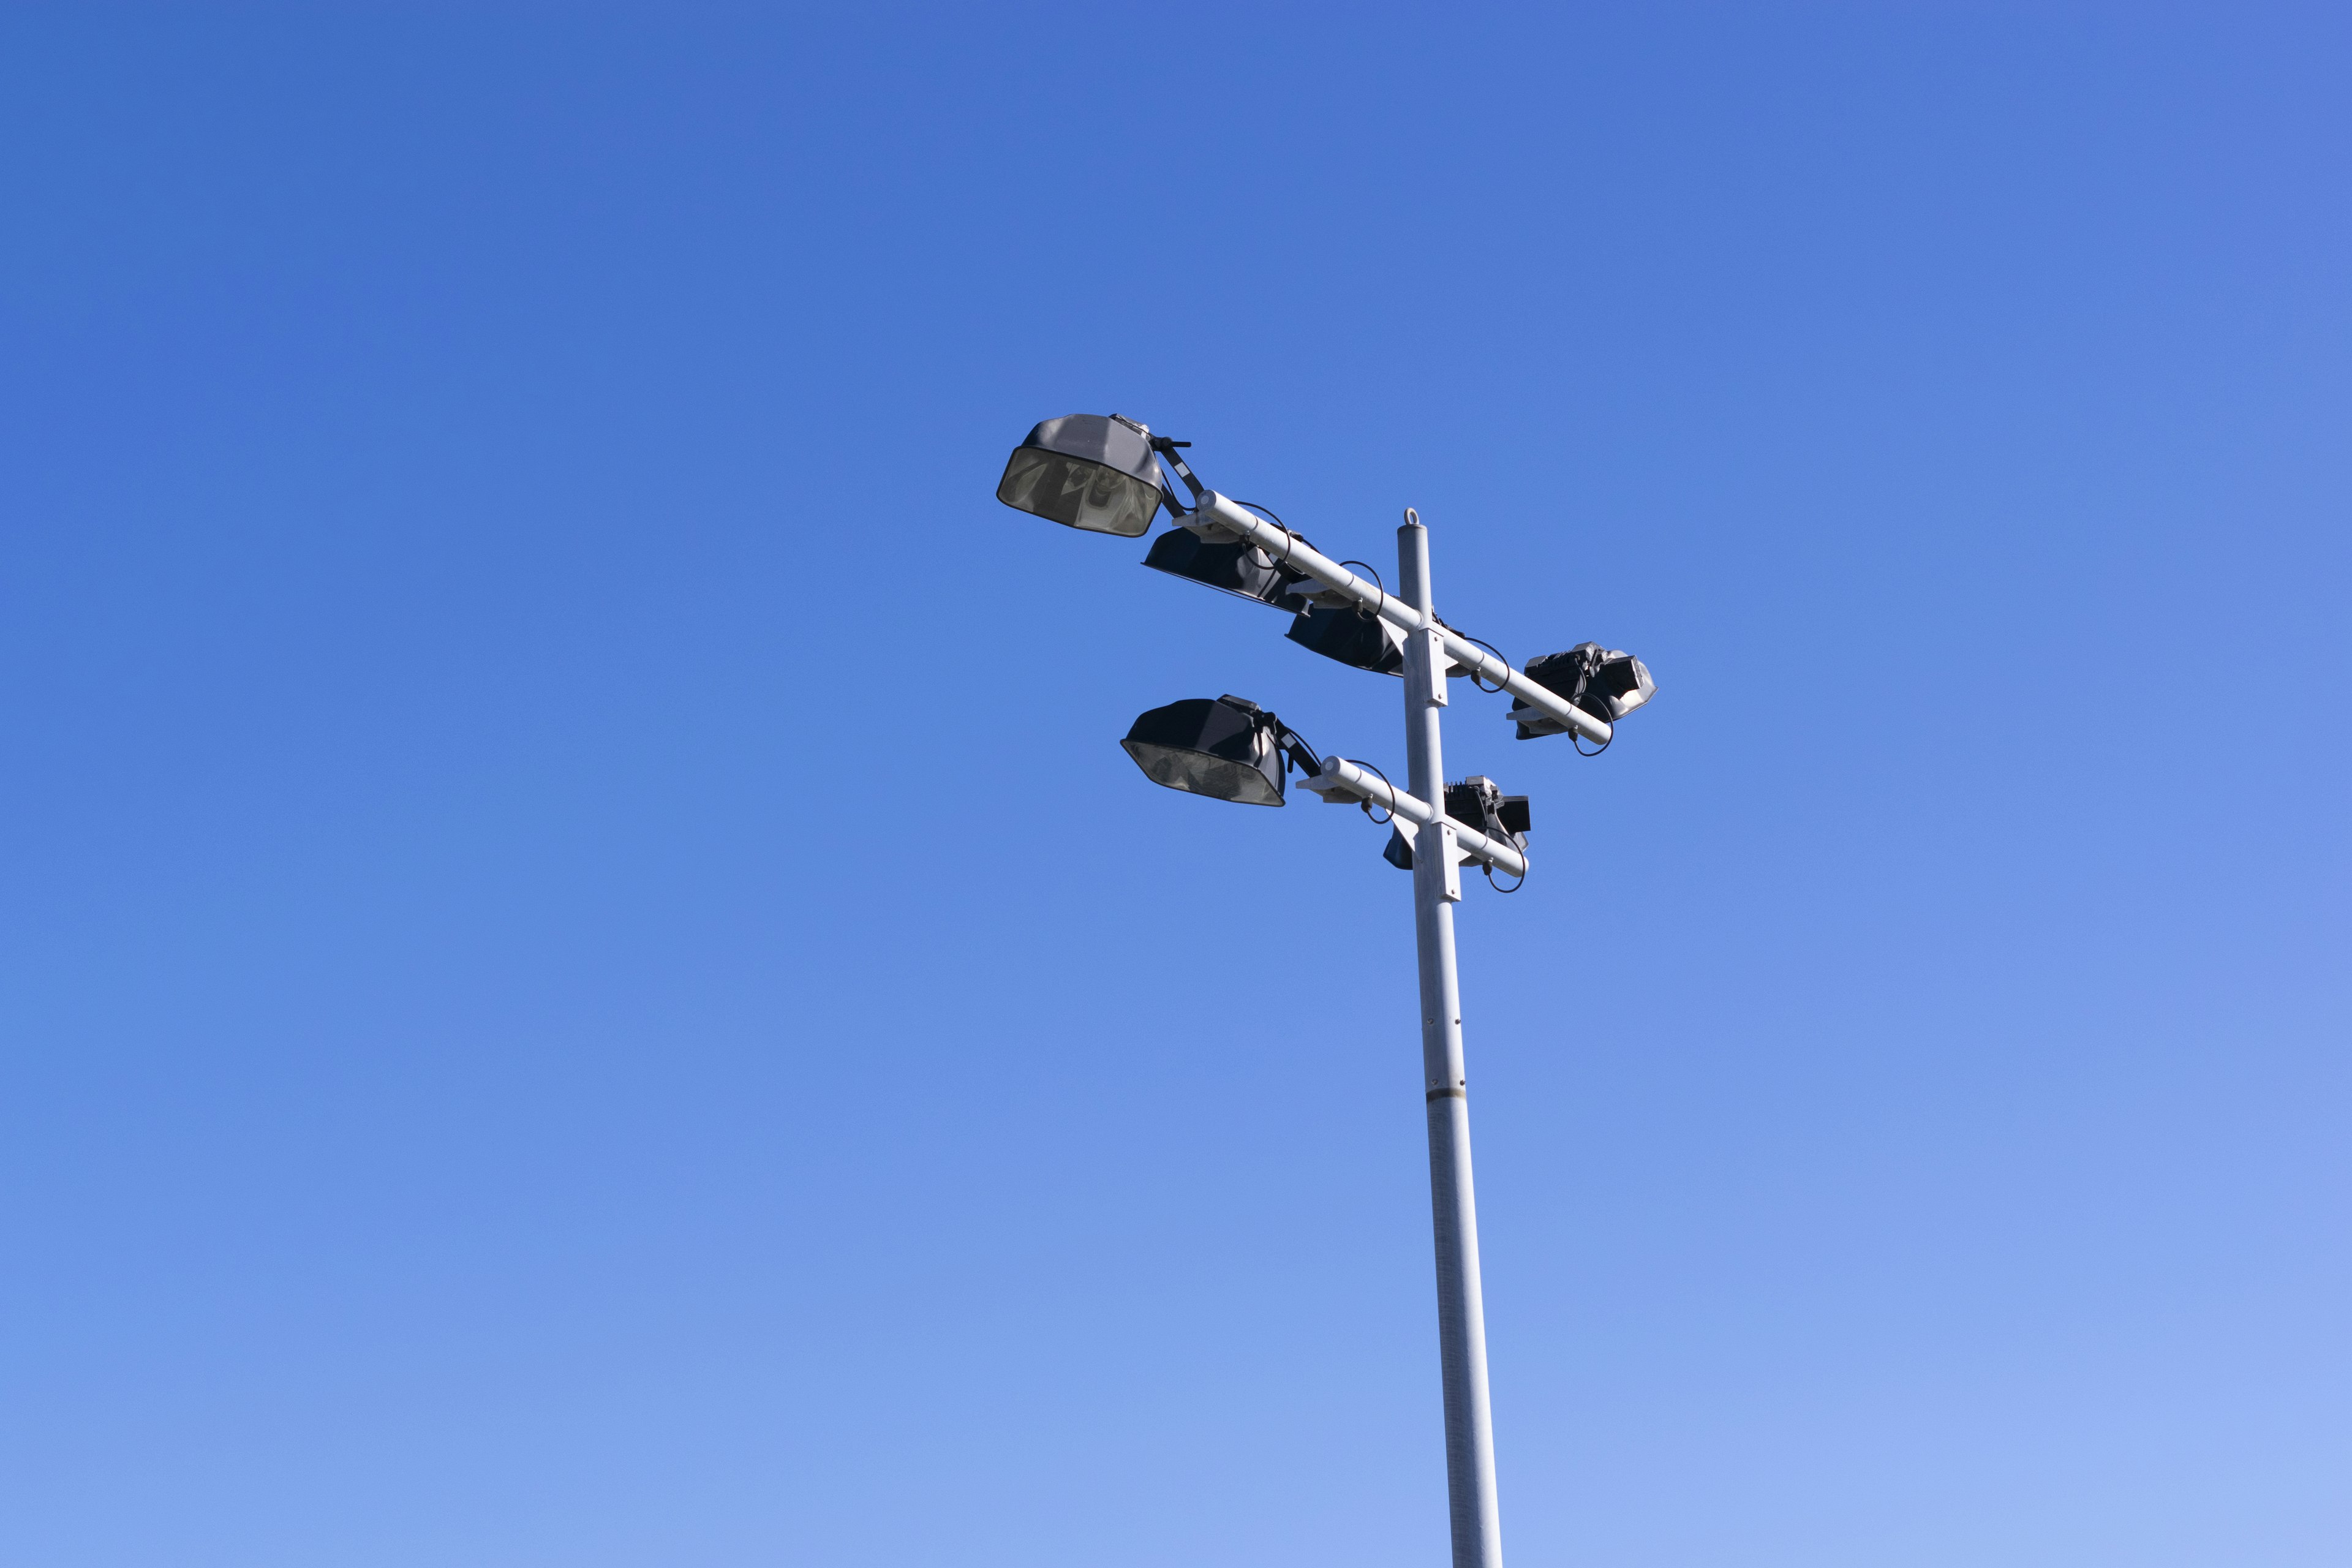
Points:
[(1477, 802), (1227, 748), (1607, 683), (1088, 471), (1234, 566), (1357, 638)]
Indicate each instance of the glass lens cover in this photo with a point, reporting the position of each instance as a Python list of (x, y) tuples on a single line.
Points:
[(1199, 773), (1078, 493)]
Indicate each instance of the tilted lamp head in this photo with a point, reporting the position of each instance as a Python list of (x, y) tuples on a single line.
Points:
[(1086, 471), (1605, 682), (1227, 748)]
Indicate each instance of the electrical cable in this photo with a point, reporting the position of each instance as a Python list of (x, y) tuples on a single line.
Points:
[(1292, 745), (1367, 805), (1490, 647), (1500, 835), (1377, 583), (1290, 539), (1575, 736)]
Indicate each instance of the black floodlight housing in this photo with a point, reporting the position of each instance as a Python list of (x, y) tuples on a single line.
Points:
[(1605, 682), (1478, 802), (1228, 748), (1237, 566), (1355, 638), (1086, 471)]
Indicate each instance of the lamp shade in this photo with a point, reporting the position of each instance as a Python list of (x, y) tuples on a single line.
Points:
[(1226, 749), (1353, 636), (1607, 683), (1237, 567), (1085, 471)]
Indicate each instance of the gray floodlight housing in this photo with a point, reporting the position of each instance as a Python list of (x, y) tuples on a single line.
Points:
[(1227, 748), (1088, 471), (1232, 566)]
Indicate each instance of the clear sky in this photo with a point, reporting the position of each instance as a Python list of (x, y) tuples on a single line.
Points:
[(582, 981)]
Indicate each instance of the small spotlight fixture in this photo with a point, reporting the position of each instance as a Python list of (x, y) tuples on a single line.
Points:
[(1227, 748), (1479, 803), (1605, 682)]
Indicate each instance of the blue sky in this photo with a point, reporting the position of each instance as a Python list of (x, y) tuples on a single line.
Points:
[(582, 981)]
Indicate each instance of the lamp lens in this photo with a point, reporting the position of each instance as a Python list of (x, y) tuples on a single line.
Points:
[(1223, 749), (1078, 493), (1198, 772)]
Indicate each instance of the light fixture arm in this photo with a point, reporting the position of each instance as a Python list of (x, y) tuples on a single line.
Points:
[(1167, 454), (1295, 747), (1214, 510), (1342, 781)]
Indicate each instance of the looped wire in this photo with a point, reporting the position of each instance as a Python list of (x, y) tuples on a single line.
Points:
[(1290, 534), (1495, 830), (1488, 868), (1490, 647), (1378, 821)]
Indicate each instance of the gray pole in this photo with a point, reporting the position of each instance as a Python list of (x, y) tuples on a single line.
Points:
[(1436, 887)]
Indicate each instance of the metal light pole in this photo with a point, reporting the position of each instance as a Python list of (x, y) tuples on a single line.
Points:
[(1475, 1513), (1101, 474)]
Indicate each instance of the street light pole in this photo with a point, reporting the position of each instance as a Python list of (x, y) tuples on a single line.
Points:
[(1104, 475), (1475, 1512)]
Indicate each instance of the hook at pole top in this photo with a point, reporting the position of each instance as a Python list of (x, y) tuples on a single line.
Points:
[(1412, 518)]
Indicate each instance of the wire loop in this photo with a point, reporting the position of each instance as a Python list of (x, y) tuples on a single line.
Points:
[(1377, 583), (1490, 647), (1367, 804), (1290, 534)]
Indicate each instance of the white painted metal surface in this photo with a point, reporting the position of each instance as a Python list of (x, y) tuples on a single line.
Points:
[(1347, 781), (1398, 609), (1475, 1513)]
